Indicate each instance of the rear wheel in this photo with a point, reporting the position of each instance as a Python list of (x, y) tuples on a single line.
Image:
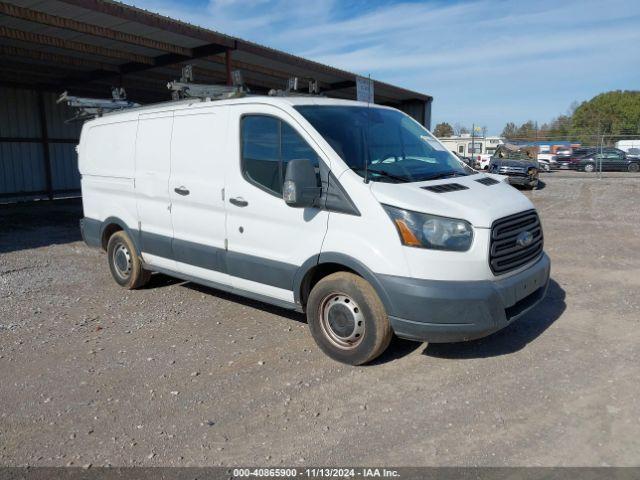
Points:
[(589, 168), (634, 167), (124, 263), (347, 319)]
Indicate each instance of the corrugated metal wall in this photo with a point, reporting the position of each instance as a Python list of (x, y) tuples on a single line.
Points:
[(36, 162)]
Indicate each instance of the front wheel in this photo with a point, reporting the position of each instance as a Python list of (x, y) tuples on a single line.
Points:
[(124, 263), (589, 168), (347, 319)]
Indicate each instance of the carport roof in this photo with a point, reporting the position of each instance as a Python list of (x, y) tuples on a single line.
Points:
[(86, 46)]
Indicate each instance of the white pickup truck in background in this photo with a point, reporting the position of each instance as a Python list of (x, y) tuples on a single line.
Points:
[(482, 160), (547, 160), (630, 147)]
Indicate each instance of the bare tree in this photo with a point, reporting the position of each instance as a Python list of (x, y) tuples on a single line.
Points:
[(460, 129)]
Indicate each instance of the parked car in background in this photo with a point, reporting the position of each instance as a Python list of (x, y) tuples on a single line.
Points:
[(482, 161), (633, 152), (550, 159), (588, 159), (517, 163), (544, 165), (630, 147), (564, 152), (570, 162), (607, 160)]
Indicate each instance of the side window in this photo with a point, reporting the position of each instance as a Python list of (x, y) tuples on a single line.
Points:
[(261, 151), (268, 144), (293, 147)]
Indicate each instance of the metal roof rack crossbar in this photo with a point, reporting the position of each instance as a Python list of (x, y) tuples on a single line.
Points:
[(88, 108)]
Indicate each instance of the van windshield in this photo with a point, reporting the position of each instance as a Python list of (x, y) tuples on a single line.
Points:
[(387, 143)]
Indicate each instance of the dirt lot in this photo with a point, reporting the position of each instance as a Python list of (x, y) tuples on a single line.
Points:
[(178, 374)]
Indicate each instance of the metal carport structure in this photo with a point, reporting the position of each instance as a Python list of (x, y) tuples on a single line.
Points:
[(88, 46)]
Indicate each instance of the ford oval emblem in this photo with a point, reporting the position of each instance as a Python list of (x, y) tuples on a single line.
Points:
[(524, 239)]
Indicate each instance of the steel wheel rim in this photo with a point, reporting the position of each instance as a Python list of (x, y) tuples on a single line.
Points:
[(342, 321), (122, 261)]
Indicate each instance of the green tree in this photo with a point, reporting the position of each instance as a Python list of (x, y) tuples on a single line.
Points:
[(510, 131), (558, 129), (615, 113), (612, 114), (527, 131), (443, 130)]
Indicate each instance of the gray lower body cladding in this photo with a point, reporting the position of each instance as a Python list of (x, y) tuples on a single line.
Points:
[(423, 310), (91, 231), (269, 272), (446, 311)]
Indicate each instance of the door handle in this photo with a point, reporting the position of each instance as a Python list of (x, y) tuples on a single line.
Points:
[(239, 202), (181, 191)]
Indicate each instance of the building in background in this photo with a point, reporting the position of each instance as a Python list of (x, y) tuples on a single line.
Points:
[(88, 46), (467, 145)]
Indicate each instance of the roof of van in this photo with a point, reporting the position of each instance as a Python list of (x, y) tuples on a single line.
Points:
[(282, 101)]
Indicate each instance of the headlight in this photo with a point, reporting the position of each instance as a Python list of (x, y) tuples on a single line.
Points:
[(429, 231)]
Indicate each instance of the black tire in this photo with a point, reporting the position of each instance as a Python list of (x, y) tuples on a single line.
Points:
[(124, 263), (589, 168), (634, 167), (357, 313)]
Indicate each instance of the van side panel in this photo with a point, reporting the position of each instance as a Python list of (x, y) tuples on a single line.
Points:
[(106, 163), (153, 157), (198, 162)]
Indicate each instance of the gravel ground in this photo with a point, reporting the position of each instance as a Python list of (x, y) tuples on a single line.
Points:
[(178, 374)]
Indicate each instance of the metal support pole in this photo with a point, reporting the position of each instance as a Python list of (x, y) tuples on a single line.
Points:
[(44, 139), (227, 62), (473, 142)]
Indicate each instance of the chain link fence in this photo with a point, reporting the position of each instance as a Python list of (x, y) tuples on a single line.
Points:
[(605, 152)]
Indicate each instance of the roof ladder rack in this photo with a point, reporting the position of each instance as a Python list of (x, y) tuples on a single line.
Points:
[(95, 107), (185, 88), (294, 88)]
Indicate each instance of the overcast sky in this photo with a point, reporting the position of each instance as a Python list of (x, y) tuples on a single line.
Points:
[(483, 61)]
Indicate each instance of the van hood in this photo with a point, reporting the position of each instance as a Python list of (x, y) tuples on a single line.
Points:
[(478, 203)]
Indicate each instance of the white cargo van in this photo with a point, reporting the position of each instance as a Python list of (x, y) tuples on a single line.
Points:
[(352, 213)]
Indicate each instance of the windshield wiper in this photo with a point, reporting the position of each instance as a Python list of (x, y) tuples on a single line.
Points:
[(382, 173), (450, 173)]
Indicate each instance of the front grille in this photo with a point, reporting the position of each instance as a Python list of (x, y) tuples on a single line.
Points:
[(445, 187), (505, 253), (512, 170)]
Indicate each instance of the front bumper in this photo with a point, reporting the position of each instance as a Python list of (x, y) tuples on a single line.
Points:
[(523, 180), (449, 311), (566, 166)]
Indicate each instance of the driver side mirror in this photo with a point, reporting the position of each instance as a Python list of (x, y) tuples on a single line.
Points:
[(300, 184)]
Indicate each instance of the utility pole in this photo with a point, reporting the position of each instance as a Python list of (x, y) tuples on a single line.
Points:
[(473, 143)]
